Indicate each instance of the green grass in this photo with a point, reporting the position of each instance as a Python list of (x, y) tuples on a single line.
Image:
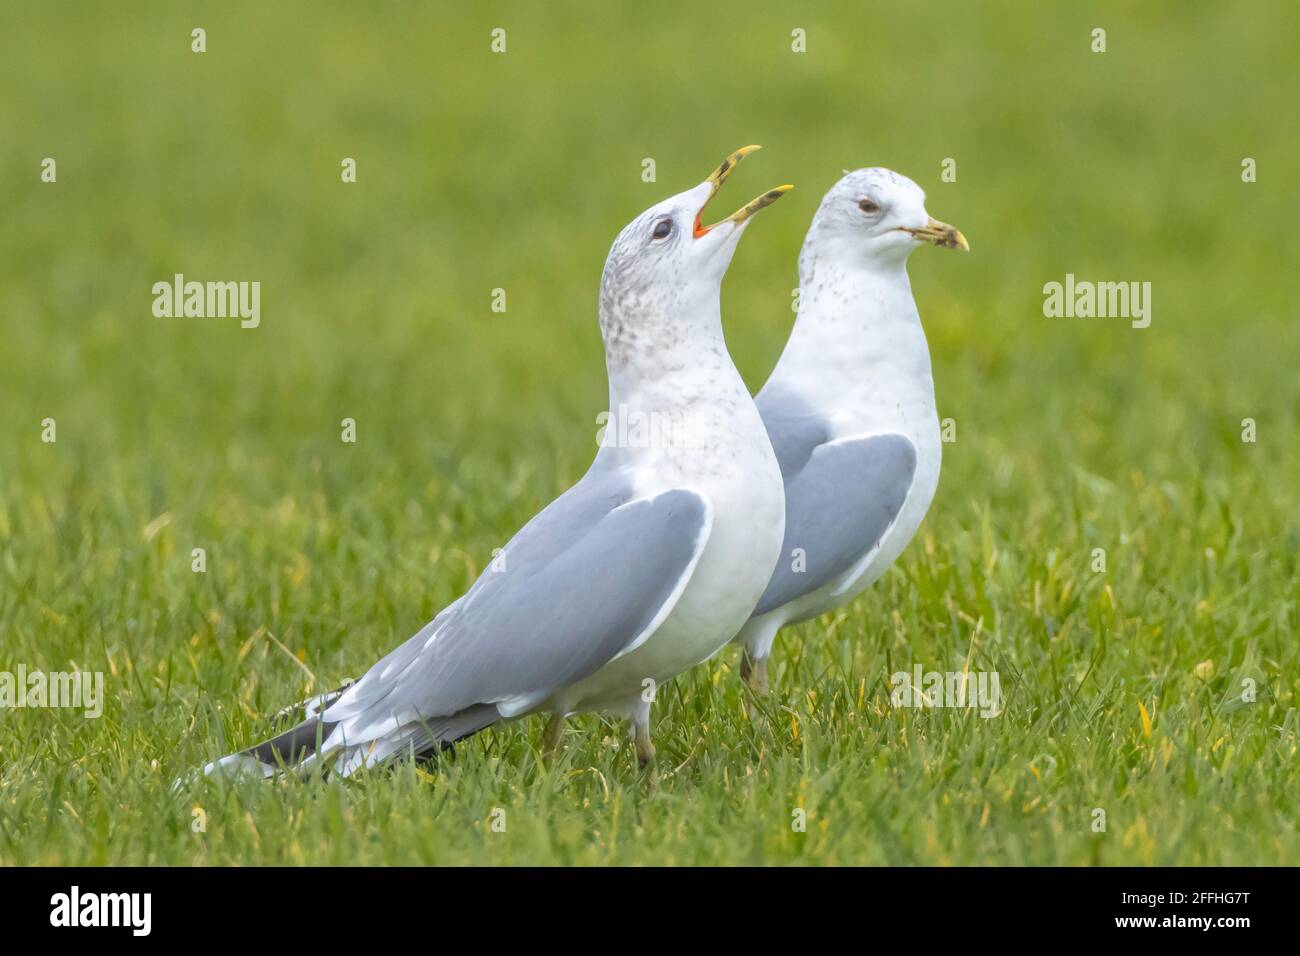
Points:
[(479, 171)]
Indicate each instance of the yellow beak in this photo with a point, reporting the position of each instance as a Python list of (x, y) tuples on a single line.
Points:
[(941, 234), (719, 176)]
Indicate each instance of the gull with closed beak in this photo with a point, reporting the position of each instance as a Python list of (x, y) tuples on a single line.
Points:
[(644, 568), (850, 406)]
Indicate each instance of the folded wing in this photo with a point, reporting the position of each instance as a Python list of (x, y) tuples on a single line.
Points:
[(589, 578), (841, 497)]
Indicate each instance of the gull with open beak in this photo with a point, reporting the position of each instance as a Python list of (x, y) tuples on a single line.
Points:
[(850, 406), (644, 568)]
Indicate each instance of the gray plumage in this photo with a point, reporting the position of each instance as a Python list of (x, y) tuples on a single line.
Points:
[(578, 585), (850, 406), (841, 496), (642, 569)]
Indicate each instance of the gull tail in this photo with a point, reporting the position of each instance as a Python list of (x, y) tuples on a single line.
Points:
[(318, 743), (295, 749)]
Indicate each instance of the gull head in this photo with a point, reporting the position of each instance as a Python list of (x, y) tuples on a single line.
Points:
[(666, 260), (880, 216)]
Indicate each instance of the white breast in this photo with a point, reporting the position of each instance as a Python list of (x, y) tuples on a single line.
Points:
[(725, 454), (861, 360)]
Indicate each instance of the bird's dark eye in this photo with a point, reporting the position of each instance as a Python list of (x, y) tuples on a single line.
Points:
[(663, 229), (869, 206)]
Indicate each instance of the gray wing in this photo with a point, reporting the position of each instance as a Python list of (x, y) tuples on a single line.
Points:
[(841, 497), (590, 577)]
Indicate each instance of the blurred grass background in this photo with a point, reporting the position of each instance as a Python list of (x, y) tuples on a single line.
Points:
[(478, 171)]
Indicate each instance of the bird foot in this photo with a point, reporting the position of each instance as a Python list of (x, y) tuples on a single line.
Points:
[(551, 738), (754, 673), (645, 750)]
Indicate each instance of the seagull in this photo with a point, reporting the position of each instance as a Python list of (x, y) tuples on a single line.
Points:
[(850, 406), (644, 568)]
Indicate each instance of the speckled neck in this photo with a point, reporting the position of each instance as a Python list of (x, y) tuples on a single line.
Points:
[(665, 351), (857, 345)]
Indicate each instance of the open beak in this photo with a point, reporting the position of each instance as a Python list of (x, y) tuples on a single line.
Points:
[(941, 234), (719, 176)]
